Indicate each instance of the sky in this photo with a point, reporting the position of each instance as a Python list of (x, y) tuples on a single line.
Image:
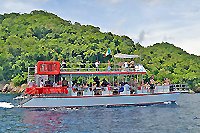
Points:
[(144, 21)]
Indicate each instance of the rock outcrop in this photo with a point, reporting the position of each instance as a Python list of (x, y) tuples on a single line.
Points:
[(10, 88), (5, 88)]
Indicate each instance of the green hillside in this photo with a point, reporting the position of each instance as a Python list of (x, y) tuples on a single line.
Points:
[(27, 38), (167, 61)]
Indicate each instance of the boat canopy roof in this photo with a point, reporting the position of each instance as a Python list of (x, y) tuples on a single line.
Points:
[(119, 55)]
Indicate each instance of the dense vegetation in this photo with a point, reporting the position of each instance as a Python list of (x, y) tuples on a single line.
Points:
[(27, 38), (166, 60)]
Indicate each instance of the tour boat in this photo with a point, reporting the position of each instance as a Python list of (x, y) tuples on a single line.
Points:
[(52, 85)]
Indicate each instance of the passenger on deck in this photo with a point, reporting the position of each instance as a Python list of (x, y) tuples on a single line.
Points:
[(94, 85), (96, 79), (115, 84), (152, 84), (120, 64), (109, 87), (41, 83), (74, 87), (131, 82), (90, 86), (158, 84), (132, 66), (64, 64), (34, 84), (104, 83), (109, 66), (80, 87), (127, 86), (64, 82), (85, 86), (96, 89), (97, 65), (125, 64), (146, 86), (55, 84), (166, 81), (135, 83), (121, 88), (31, 84), (48, 83)]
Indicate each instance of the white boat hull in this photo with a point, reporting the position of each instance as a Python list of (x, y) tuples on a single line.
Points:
[(87, 101)]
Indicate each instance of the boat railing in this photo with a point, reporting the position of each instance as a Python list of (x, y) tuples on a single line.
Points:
[(162, 88), (180, 87), (103, 67), (92, 91), (94, 69), (84, 67), (31, 72), (158, 89), (24, 97)]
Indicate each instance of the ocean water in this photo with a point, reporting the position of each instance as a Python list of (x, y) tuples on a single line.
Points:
[(183, 117)]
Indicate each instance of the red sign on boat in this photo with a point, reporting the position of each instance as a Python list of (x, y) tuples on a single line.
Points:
[(48, 67)]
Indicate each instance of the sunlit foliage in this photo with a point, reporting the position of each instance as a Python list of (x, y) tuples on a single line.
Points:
[(28, 38)]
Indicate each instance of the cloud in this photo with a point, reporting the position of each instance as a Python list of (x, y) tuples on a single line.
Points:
[(191, 46), (118, 26), (152, 2), (115, 1), (110, 2), (141, 36), (185, 37), (15, 6), (167, 38), (23, 6), (186, 10), (147, 21)]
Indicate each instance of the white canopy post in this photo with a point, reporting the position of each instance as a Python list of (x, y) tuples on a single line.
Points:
[(125, 56)]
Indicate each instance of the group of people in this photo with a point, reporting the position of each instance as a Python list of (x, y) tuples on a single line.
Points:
[(126, 64), (32, 83), (42, 83), (151, 83), (97, 86), (123, 65), (96, 64)]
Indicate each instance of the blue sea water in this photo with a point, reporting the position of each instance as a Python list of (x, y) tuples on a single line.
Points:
[(168, 118)]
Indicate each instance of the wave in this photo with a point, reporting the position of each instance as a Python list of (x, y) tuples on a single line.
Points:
[(6, 105)]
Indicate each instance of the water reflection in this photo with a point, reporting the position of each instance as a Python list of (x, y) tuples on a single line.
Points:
[(43, 121), (156, 118)]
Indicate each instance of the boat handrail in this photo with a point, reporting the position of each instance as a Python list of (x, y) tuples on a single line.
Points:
[(93, 89), (85, 67), (136, 68), (94, 69), (119, 64)]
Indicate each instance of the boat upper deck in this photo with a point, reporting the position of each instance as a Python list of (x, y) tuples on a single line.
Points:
[(137, 69), (54, 68), (97, 68)]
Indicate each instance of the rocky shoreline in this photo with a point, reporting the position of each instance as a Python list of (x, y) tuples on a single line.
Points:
[(197, 90), (10, 88)]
